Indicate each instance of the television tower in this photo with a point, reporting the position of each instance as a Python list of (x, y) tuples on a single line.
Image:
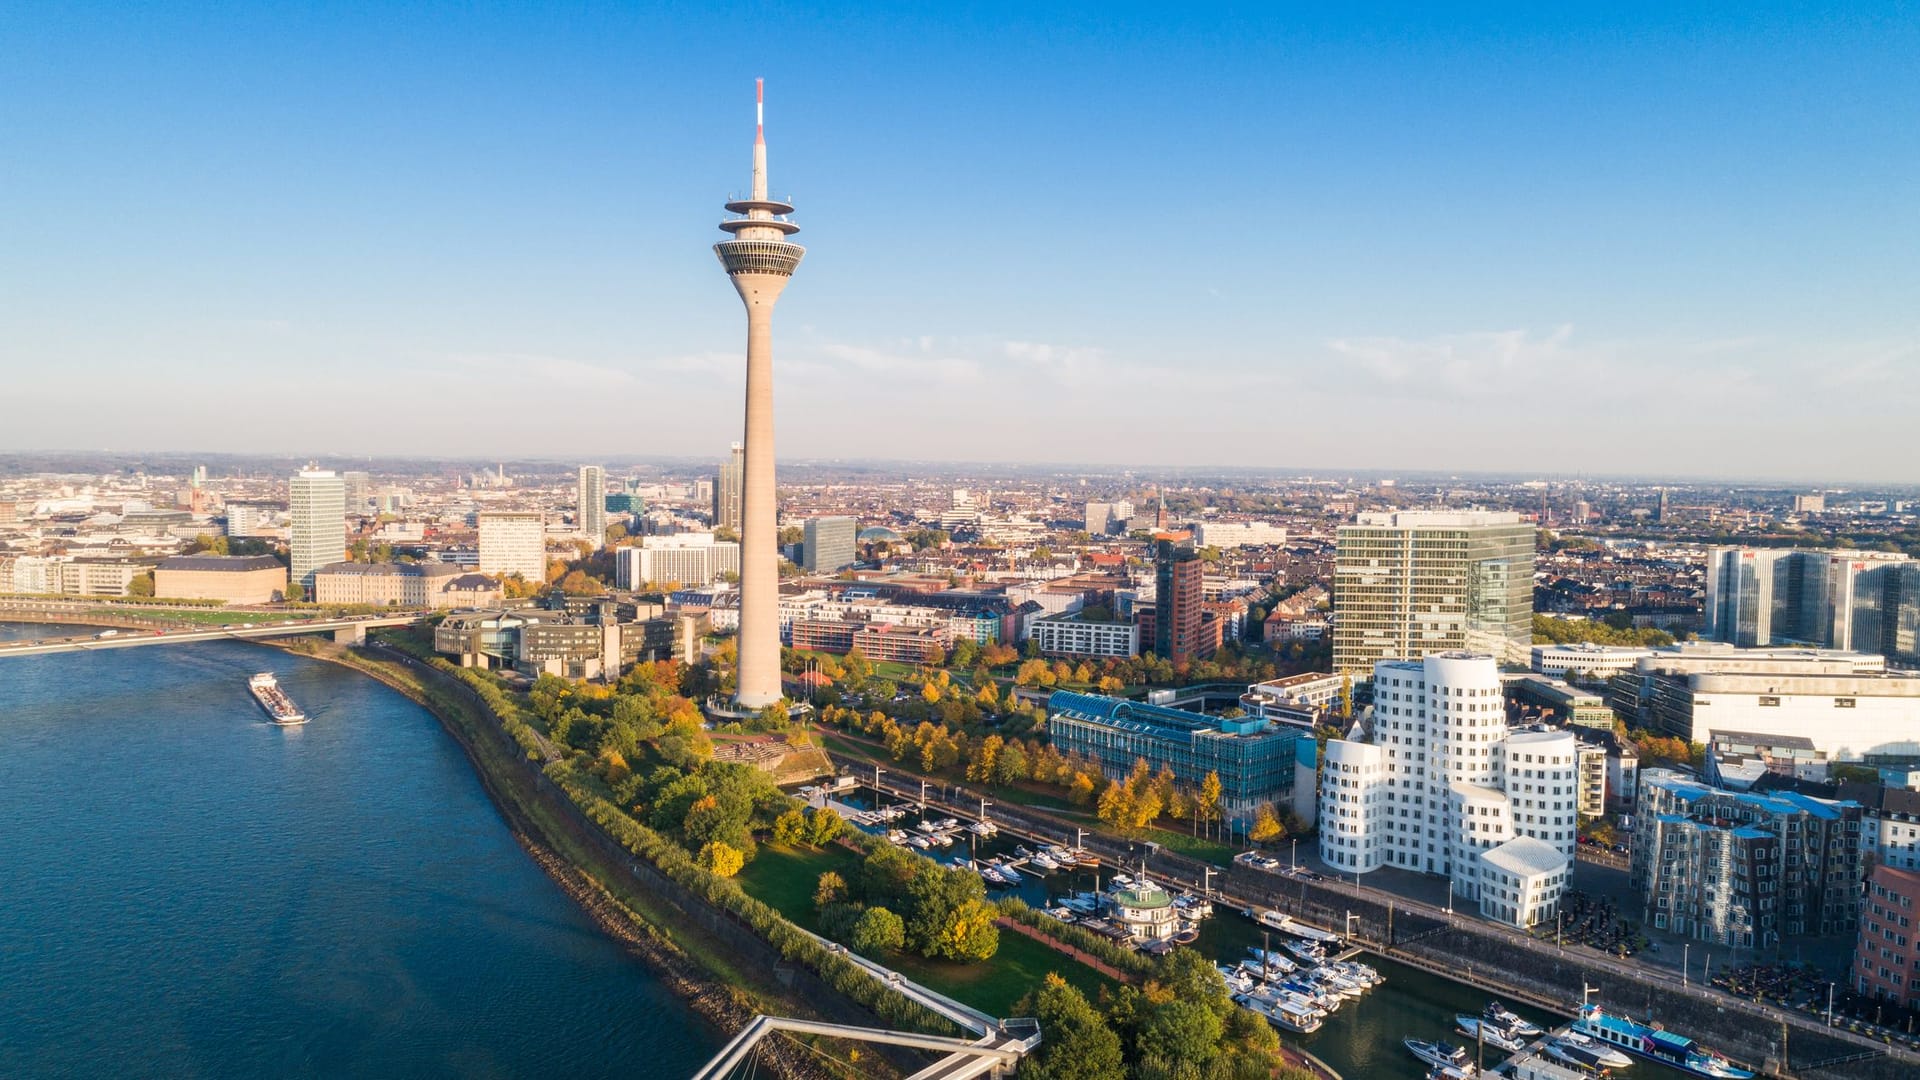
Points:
[(760, 261)]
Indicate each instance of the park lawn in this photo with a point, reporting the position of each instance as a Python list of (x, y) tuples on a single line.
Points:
[(784, 878), (994, 986)]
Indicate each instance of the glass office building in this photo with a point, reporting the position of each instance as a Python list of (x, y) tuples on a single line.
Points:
[(1254, 758), (1410, 583)]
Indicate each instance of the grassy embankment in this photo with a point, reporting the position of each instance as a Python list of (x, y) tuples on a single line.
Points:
[(752, 988), (784, 878)]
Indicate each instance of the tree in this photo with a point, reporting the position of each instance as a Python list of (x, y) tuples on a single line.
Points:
[(1207, 802), (877, 930), (967, 934), (1078, 1044), (789, 828), (948, 915), (824, 825), (1266, 825), (723, 859), (141, 585), (830, 889), (1181, 1030), (1010, 766), (296, 592)]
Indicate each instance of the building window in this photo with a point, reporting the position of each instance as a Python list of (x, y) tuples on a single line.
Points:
[(1768, 701), (1843, 703)]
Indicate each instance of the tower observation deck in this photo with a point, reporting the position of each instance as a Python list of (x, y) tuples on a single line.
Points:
[(760, 261)]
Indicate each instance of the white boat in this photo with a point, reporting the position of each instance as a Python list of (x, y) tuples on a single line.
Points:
[(920, 842), (1273, 960), (280, 708), (1292, 1017), (1511, 1020), (1042, 860), (1438, 1053), (984, 828), (1306, 950), (1577, 1049), (1475, 1027)]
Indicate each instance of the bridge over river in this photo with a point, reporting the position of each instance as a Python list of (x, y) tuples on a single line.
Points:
[(132, 628)]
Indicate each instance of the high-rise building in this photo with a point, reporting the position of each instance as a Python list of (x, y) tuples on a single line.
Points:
[(727, 488), (1413, 582), (1445, 788), (249, 519), (513, 542), (1178, 603), (590, 502), (317, 506), (1864, 600), (829, 544), (760, 261), (359, 490)]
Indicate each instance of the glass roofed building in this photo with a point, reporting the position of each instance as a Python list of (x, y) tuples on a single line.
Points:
[(1255, 758)]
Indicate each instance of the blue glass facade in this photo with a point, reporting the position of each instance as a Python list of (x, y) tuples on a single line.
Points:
[(1254, 758)]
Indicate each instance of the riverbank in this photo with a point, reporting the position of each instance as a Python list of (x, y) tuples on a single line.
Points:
[(697, 966)]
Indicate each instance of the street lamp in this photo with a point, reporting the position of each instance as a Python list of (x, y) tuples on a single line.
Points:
[(1684, 951), (1295, 857), (1449, 896)]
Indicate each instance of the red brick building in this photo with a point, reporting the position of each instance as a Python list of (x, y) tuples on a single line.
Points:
[(1886, 963)]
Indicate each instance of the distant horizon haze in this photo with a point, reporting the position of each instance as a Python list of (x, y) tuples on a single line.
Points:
[(1634, 240)]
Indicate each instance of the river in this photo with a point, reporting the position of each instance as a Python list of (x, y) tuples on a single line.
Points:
[(187, 890)]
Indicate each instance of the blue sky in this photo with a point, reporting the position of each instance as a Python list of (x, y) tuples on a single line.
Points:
[(1667, 239)]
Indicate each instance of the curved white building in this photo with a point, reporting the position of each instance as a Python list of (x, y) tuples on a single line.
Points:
[(1444, 785), (1352, 788)]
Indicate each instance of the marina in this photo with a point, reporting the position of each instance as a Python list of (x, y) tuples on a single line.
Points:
[(1360, 1037)]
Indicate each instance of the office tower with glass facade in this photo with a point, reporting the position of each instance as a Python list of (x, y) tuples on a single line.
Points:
[(829, 544), (590, 500), (1412, 582), (317, 535), (1867, 601), (727, 488)]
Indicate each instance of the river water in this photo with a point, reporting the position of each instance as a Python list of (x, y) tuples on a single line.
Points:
[(187, 890)]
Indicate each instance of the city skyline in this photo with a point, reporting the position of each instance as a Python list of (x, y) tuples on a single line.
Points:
[(1677, 234)]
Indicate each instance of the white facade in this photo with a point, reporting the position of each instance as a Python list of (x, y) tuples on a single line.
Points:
[(249, 519), (317, 507), (1844, 717), (514, 542), (1234, 534), (1353, 794), (1586, 662), (1521, 882), (590, 500), (1453, 786), (1069, 635), (687, 559)]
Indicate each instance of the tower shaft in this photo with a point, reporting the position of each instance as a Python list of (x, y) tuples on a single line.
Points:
[(760, 261)]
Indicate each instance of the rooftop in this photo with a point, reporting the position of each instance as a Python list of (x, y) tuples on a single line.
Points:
[(232, 564), (1526, 856)]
